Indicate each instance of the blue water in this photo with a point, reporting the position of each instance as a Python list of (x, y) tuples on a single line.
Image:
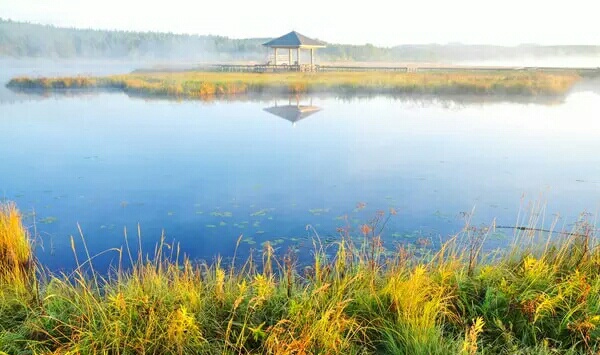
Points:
[(206, 173)]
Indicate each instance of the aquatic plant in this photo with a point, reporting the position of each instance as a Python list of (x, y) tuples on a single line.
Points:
[(540, 296)]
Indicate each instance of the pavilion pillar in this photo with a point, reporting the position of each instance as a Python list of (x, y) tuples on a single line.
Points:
[(290, 56), (298, 55), (275, 59), (312, 54)]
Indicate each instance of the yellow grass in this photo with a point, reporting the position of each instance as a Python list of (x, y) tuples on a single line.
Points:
[(541, 296), (210, 84), (15, 247)]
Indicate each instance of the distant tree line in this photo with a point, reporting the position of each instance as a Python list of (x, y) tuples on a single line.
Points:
[(19, 39)]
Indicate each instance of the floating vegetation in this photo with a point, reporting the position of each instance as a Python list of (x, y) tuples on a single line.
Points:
[(318, 211), (28, 215), (340, 218), (124, 204), (330, 239), (226, 214), (248, 240), (222, 224), (210, 226), (496, 235), (170, 213), (256, 224), (199, 212), (272, 243), (443, 216), (360, 206), (413, 235), (48, 220), (260, 232), (262, 212)]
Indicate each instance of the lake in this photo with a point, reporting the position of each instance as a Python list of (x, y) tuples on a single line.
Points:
[(207, 172)]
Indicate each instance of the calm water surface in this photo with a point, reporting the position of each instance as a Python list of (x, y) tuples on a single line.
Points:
[(206, 173)]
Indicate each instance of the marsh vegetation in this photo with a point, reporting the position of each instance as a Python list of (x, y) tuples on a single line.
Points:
[(541, 296), (210, 84)]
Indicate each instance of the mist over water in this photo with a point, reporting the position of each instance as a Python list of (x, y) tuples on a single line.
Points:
[(566, 61)]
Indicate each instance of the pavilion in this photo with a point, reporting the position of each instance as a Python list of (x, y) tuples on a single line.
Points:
[(295, 40)]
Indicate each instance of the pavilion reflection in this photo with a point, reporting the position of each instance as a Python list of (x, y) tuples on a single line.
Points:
[(293, 111)]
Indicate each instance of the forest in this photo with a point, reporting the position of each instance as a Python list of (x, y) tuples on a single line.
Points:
[(20, 40)]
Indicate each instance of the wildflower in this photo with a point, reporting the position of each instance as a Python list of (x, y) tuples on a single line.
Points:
[(365, 229)]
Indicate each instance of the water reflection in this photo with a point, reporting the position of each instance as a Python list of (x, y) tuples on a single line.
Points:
[(208, 172), (293, 112)]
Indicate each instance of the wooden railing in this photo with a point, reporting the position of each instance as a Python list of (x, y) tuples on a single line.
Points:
[(265, 68), (270, 68)]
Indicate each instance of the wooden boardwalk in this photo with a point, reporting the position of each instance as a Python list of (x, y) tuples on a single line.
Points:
[(264, 68), (269, 68)]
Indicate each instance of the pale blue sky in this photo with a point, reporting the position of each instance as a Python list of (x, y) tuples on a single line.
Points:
[(380, 22)]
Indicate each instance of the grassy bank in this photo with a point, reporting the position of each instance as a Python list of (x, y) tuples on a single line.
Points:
[(210, 84), (541, 297)]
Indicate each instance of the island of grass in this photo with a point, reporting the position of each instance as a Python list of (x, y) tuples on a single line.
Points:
[(542, 297), (205, 85)]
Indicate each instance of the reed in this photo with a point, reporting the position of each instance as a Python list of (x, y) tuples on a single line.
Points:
[(16, 257), (541, 296), (205, 85)]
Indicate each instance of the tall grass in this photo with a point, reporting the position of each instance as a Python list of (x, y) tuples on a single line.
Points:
[(16, 258), (542, 296), (204, 85)]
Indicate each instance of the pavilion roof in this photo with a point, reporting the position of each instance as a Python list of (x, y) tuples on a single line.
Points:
[(294, 40)]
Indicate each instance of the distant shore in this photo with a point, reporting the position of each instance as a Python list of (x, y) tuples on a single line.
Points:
[(205, 85)]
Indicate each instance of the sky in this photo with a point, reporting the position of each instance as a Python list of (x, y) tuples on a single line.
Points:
[(379, 22)]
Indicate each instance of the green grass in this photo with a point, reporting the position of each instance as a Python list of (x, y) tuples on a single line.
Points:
[(542, 296), (206, 85)]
